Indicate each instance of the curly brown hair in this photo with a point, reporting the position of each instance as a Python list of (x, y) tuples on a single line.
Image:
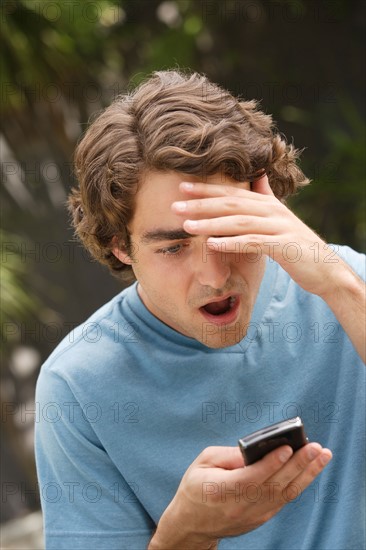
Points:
[(174, 121)]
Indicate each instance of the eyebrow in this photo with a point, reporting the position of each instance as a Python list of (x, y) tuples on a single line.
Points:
[(165, 235)]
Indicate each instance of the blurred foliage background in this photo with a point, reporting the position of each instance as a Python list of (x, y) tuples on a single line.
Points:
[(62, 61)]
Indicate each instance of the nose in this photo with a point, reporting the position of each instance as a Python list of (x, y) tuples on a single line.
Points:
[(213, 268)]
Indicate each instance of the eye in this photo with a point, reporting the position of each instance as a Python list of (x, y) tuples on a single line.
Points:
[(174, 250)]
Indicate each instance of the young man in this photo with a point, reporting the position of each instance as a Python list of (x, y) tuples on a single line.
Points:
[(240, 316)]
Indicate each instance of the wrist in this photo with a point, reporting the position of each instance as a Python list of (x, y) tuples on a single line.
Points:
[(343, 283), (175, 542), (174, 533)]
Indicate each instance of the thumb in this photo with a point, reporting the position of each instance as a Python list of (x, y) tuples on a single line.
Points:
[(262, 186), (228, 458)]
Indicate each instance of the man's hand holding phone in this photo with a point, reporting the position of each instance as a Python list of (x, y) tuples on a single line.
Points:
[(219, 498)]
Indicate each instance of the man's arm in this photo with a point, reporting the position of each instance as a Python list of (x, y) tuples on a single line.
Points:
[(346, 297), (86, 502), (234, 218), (211, 502)]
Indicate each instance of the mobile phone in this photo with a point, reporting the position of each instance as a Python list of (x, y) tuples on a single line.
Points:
[(257, 444)]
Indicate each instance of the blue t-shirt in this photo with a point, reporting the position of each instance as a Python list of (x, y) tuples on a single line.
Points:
[(126, 404)]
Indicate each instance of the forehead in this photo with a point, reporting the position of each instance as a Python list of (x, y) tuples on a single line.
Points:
[(157, 192)]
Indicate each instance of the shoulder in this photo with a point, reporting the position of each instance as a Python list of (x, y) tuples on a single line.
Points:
[(291, 301), (356, 260), (285, 286), (93, 346)]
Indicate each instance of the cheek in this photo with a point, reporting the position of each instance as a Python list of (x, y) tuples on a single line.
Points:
[(252, 266), (163, 274)]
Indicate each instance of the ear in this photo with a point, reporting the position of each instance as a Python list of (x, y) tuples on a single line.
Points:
[(119, 250), (262, 186)]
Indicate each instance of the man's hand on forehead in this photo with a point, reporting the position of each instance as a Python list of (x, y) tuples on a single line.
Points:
[(215, 199), (238, 220)]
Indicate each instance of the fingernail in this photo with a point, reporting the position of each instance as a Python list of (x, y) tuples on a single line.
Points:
[(180, 206), (313, 452), (285, 454), (191, 223), (324, 459), (186, 185)]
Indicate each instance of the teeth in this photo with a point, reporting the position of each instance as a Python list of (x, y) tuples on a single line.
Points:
[(232, 300)]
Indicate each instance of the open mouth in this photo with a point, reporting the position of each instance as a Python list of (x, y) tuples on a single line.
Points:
[(221, 311)]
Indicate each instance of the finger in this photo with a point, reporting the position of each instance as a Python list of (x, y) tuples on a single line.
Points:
[(302, 481), (212, 207), (216, 190), (264, 469), (232, 226), (299, 462), (241, 243), (262, 186), (228, 458)]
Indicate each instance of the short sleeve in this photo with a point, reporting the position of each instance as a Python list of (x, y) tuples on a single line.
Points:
[(356, 260), (85, 499)]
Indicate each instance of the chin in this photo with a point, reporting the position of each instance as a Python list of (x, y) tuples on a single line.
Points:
[(218, 345), (222, 336), (220, 341)]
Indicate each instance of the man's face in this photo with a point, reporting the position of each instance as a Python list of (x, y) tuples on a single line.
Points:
[(178, 275)]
